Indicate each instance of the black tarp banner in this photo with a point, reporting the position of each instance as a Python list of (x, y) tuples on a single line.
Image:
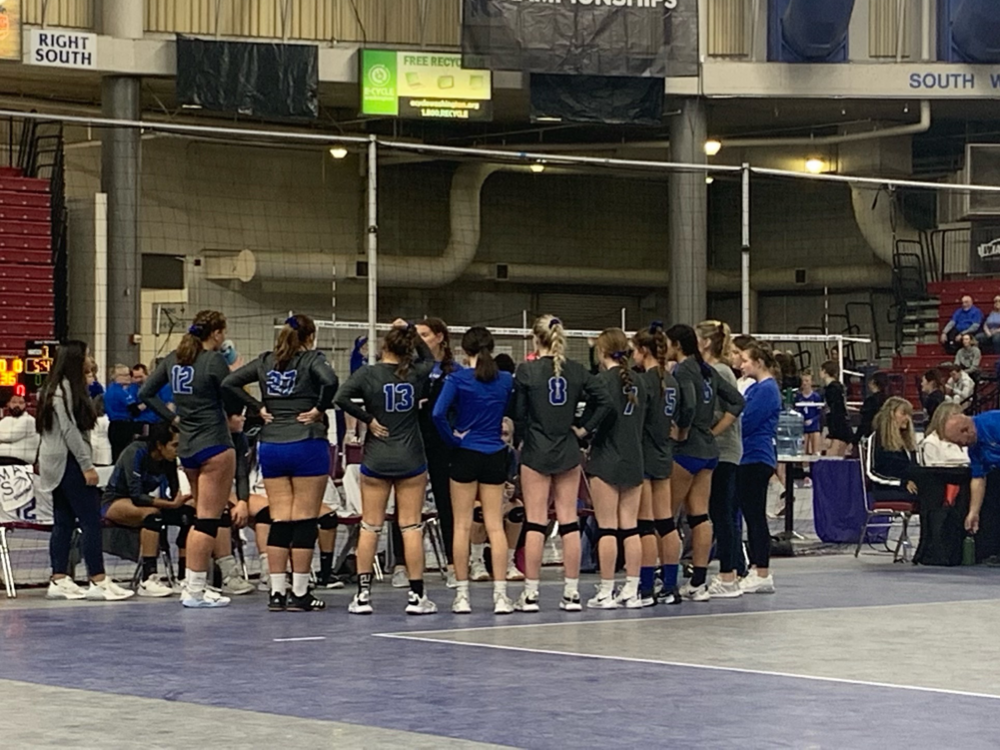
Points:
[(639, 38), (984, 247), (599, 99), (249, 78)]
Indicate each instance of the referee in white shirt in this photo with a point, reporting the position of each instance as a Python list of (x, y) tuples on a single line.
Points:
[(18, 437)]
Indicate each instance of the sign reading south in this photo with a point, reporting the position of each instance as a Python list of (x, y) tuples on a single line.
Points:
[(423, 86)]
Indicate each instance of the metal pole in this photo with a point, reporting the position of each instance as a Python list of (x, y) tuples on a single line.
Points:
[(623, 320), (745, 255), (524, 341), (372, 248)]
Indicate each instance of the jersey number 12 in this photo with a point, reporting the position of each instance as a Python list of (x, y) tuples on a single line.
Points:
[(181, 378)]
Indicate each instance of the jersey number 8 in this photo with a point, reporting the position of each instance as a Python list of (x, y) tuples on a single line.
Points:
[(181, 378), (557, 391), (281, 383), (398, 397)]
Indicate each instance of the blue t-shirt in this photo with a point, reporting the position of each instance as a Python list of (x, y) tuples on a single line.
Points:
[(479, 410), (993, 321), (984, 456), (965, 319), (148, 416), (760, 423), (117, 400), (810, 414)]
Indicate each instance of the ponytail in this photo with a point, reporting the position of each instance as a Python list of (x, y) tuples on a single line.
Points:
[(478, 342), (613, 343), (298, 329), (401, 343), (205, 324), (549, 331), (687, 341), (654, 340)]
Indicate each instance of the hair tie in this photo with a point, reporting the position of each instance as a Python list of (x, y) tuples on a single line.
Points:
[(196, 330), (655, 325), (619, 356), (554, 322), (292, 323)]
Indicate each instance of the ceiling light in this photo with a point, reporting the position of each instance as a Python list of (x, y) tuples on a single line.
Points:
[(338, 152), (537, 168), (712, 147), (815, 166), (709, 179)]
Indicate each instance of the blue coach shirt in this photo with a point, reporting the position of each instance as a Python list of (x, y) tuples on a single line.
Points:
[(760, 423), (966, 319), (984, 456), (480, 408)]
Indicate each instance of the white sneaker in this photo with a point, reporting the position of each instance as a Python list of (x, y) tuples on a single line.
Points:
[(108, 591), (719, 589), (478, 572), (648, 601), (695, 593), (628, 601), (502, 605), (399, 579), (452, 582), (571, 603), (603, 601), (461, 605), (65, 588), (525, 603), (237, 586), (264, 584), (208, 599), (154, 588), (754, 584), (420, 605), (513, 574), (361, 604)]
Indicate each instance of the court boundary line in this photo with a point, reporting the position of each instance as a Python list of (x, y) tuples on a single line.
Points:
[(709, 667)]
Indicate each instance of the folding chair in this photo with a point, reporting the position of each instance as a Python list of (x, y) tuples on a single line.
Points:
[(888, 510)]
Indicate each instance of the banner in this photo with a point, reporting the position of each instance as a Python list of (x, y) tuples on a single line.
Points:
[(423, 86), (609, 101), (10, 29), (639, 38), (984, 247)]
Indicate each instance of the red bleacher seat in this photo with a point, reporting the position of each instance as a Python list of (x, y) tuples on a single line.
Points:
[(23, 198), (24, 184), (10, 213)]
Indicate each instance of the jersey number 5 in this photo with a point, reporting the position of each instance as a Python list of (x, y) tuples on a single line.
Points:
[(670, 402), (398, 397), (181, 378), (281, 383), (632, 392), (557, 391)]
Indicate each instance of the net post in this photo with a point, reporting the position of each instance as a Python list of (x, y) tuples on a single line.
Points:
[(745, 254), (372, 248)]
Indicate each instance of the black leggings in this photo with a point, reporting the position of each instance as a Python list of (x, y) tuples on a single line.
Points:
[(722, 509), (752, 481), (75, 503), (439, 470), (120, 434)]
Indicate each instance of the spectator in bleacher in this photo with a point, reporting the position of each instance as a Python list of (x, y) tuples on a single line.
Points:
[(931, 391), (959, 386), (892, 455), (66, 469), (966, 319), (18, 437), (990, 335), (935, 449), (969, 356), (119, 401), (878, 392)]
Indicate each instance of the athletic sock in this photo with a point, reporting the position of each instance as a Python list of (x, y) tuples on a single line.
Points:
[(181, 561), (605, 587), (196, 582), (698, 576), (417, 587), (500, 587), (571, 587), (669, 573), (478, 551), (228, 567), (148, 567), (300, 584), (365, 583), (631, 587), (510, 556), (264, 567), (279, 583), (647, 577), (325, 566), (531, 587)]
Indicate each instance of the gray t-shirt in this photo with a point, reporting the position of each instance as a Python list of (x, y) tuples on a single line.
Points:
[(197, 392), (730, 442)]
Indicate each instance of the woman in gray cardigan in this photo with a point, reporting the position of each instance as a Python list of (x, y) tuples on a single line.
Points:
[(64, 419)]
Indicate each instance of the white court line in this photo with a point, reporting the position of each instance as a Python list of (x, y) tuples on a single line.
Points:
[(303, 638), (710, 667)]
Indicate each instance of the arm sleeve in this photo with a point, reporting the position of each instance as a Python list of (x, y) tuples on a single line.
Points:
[(349, 391), (242, 467), (598, 400), (755, 408), (234, 385), (730, 400), (874, 456), (440, 414), (949, 325), (977, 462), (74, 439), (322, 373), (689, 396), (423, 363), (149, 394)]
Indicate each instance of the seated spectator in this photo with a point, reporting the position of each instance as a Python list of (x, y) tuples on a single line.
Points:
[(990, 335), (119, 400), (931, 392), (18, 436), (959, 387), (935, 449), (966, 319), (969, 356), (892, 452), (878, 392)]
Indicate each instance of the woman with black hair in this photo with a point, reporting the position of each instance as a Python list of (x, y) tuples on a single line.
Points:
[(931, 391), (878, 392), (64, 420)]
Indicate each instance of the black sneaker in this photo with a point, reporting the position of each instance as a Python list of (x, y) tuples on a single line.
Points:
[(307, 603), (669, 597), (277, 603), (333, 582)]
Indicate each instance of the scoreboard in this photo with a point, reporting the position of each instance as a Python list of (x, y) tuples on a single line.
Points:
[(23, 375)]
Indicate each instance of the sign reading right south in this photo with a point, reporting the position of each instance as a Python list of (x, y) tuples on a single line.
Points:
[(655, 38)]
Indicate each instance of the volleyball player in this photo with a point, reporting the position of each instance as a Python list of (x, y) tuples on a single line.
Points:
[(195, 372), (479, 459), (696, 454), (655, 509), (547, 392), (393, 458), (615, 468)]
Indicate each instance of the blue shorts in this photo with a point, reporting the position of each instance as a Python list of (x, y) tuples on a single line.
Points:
[(409, 475), (812, 430), (198, 459), (304, 458), (695, 465)]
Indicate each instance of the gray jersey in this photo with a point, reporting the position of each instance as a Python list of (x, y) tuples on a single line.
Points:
[(197, 392), (393, 402), (306, 382), (616, 451), (545, 412), (657, 445), (730, 442), (701, 391)]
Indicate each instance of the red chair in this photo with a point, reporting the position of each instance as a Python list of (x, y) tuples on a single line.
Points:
[(888, 511)]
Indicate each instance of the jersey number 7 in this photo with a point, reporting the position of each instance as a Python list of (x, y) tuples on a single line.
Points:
[(632, 393)]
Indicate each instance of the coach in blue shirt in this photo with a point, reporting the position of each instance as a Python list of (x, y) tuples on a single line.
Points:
[(982, 436), (966, 319)]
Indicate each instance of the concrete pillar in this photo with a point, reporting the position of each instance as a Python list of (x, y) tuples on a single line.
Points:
[(122, 19), (687, 195), (120, 181)]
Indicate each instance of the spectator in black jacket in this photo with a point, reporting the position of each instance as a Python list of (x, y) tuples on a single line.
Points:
[(931, 391), (892, 454), (878, 392)]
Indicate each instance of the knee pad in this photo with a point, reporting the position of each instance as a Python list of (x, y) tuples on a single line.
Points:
[(365, 526), (304, 534), (665, 526), (569, 528), (328, 521), (412, 527), (477, 514), (647, 527), (695, 521), (516, 514), (208, 526), (263, 516), (153, 522), (225, 520), (624, 534), (601, 533), (280, 534), (541, 528), (182, 537)]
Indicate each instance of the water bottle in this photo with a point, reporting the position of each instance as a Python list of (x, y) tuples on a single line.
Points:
[(790, 438), (969, 550)]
